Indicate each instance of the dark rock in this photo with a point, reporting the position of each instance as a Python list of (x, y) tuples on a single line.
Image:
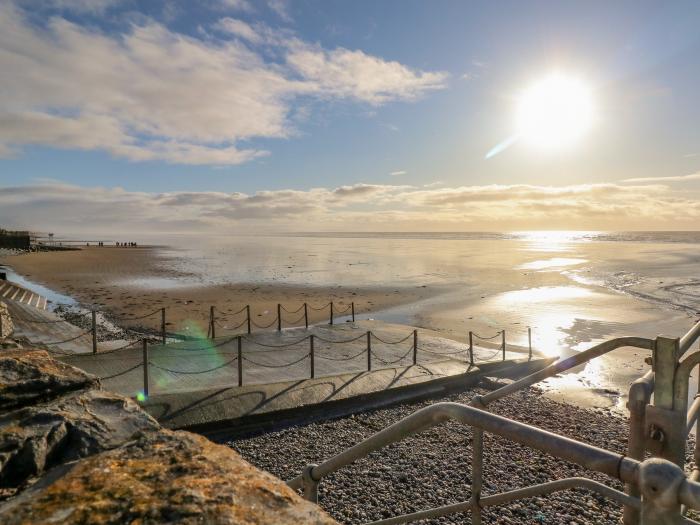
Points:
[(162, 477), (33, 439), (32, 376)]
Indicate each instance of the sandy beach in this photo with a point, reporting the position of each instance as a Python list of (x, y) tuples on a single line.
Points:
[(131, 282), (572, 291)]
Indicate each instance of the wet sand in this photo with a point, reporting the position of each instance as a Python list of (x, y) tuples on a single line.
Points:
[(131, 282), (572, 294)]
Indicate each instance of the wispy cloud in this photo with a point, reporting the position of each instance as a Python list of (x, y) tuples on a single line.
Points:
[(154, 94), (671, 178), (398, 173), (50, 205)]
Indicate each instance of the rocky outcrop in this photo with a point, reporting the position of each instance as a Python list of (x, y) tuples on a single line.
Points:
[(164, 477), (32, 376), (38, 437), (6, 325), (71, 453)]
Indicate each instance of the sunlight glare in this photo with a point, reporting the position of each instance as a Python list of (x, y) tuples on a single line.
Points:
[(555, 112)]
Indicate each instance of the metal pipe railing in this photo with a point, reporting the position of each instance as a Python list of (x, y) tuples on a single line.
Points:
[(689, 338), (532, 491), (566, 364), (589, 456)]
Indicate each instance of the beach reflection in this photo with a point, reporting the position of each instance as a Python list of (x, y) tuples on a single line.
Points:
[(554, 241), (546, 315)]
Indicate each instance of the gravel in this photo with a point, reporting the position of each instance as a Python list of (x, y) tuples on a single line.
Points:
[(433, 468)]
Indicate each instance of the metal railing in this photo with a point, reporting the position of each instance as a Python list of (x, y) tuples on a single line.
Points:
[(656, 490)]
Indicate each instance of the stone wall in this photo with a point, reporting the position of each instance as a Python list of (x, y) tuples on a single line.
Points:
[(72, 453)]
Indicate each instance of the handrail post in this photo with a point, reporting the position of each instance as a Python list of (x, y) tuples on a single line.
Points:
[(369, 351), (666, 418), (240, 360), (639, 396), (94, 332), (415, 347), (247, 309), (306, 317), (529, 343), (279, 317), (211, 322), (471, 349), (331, 322), (311, 351), (162, 324), (145, 367), (503, 343), (352, 306)]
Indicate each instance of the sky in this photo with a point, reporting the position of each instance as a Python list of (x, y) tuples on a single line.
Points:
[(299, 115)]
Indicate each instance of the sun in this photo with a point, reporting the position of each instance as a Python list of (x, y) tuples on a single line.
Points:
[(555, 112)]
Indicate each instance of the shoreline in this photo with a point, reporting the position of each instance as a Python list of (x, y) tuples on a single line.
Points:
[(125, 283)]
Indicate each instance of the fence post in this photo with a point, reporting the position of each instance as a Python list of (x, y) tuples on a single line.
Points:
[(331, 312), (94, 332), (145, 367), (211, 322), (306, 317), (279, 317), (529, 343), (247, 309), (1, 329), (352, 306), (240, 361), (471, 349), (415, 347), (503, 343), (162, 324), (311, 348), (369, 351)]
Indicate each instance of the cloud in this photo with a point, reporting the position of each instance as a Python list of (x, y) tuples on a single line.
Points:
[(77, 6), (239, 28), (281, 9), (354, 74), (153, 94), (237, 5), (359, 207), (672, 178), (398, 173)]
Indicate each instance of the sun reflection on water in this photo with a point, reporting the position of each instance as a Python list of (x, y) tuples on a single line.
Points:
[(554, 240)]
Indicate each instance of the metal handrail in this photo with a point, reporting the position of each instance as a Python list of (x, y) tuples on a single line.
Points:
[(652, 475), (611, 463), (541, 489), (566, 364)]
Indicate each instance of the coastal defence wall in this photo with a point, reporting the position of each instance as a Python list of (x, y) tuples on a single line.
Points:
[(74, 453), (15, 240)]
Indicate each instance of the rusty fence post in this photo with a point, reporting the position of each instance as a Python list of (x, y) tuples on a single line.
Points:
[(471, 349), (1, 328), (529, 343), (415, 347), (311, 353), (503, 343), (279, 317), (162, 324), (331, 321), (369, 351), (145, 367), (306, 316), (352, 306), (240, 361), (247, 310), (94, 332)]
